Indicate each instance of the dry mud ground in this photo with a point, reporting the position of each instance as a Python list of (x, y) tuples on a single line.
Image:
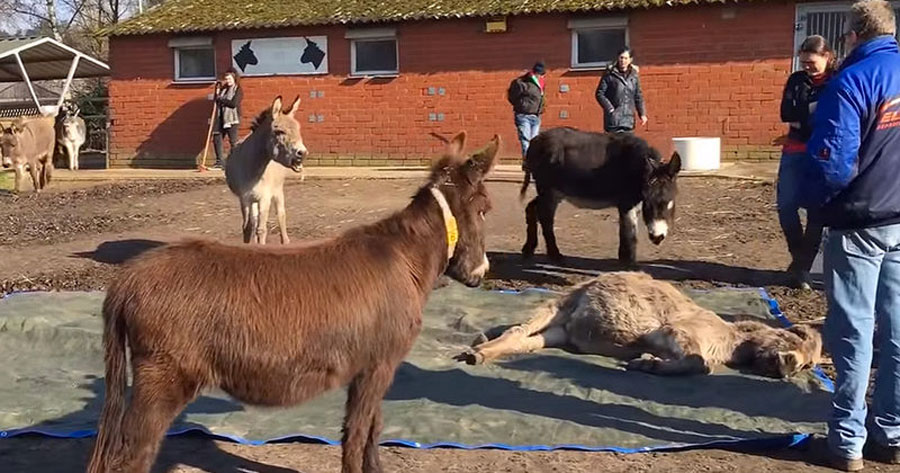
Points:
[(74, 237)]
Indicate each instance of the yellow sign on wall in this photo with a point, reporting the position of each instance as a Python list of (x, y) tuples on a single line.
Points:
[(495, 25)]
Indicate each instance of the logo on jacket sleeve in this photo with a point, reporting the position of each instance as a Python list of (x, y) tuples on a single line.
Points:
[(889, 114)]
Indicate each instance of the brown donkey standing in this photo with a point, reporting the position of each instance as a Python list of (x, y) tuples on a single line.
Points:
[(278, 326)]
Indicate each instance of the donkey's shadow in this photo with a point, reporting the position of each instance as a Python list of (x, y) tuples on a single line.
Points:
[(119, 251), (541, 271), (195, 449)]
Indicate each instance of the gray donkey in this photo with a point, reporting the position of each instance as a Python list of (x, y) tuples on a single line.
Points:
[(71, 132), (257, 166)]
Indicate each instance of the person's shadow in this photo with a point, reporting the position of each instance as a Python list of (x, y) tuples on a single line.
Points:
[(195, 448)]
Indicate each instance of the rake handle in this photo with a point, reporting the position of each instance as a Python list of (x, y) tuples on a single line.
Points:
[(212, 120)]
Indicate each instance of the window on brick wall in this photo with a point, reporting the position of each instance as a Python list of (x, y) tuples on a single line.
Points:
[(596, 41), (827, 20), (373, 52), (195, 59)]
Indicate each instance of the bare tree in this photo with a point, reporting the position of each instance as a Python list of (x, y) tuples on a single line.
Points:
[(27, 14)]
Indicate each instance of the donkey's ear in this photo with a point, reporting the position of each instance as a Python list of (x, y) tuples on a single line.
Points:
[(789, 362), (457, 144), (486, 158), (674, 164), (802, 331), (276, 105), (294, 106)]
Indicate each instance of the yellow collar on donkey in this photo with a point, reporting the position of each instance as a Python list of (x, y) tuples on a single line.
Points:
[(449, 221)]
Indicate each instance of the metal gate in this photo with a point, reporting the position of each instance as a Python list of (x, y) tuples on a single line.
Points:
[(95, 152), (825, 19)]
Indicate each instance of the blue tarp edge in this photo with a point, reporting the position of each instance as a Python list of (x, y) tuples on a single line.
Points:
[(775, 441)]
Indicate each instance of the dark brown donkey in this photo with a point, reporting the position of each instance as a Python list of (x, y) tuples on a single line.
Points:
[(278, 326)]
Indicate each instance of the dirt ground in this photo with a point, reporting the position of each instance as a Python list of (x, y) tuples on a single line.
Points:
[(73, 238)]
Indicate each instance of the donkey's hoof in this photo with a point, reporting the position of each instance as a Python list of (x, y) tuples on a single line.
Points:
[(527, 252), (481, 338), (646, 362), (556, 258), (470, 357), (627, 264)]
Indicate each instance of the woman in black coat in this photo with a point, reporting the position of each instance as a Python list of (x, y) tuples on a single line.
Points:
[(801, 92), (619, 93)]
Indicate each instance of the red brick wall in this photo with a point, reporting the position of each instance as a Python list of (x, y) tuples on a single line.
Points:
[(697, 70)]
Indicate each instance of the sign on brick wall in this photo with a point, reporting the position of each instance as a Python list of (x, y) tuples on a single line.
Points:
[(280, 56)]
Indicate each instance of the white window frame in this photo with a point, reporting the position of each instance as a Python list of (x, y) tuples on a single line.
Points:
[(595, 24), (804, 9), (188, 43), (368, 35)]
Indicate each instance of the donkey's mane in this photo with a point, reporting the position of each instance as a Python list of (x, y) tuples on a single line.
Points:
[(260, 119)]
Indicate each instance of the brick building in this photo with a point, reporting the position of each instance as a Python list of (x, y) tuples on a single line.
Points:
[(380, 79)]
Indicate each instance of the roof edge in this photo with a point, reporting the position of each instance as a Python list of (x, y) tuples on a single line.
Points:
[(116, 30)]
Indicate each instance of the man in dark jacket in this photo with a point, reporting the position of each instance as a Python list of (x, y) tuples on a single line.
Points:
[(856, 146), (619, 93), (526, 95)]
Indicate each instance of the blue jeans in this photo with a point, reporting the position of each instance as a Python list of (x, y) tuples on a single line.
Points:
[(803, 246), (862, 285), (528, 126)]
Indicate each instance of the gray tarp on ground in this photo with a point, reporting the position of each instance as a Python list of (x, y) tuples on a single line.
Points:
[(51, 374)]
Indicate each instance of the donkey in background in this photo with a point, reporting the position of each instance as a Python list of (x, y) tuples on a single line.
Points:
[(71, 132), (278, 326), (598, 171), (256, 168)]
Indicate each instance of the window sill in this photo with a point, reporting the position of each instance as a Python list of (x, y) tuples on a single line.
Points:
[(193, 81), (284, 74), (592, 67), (374, 75)]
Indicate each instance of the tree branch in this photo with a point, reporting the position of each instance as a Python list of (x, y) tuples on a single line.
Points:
[(29, 13), (76, 11)]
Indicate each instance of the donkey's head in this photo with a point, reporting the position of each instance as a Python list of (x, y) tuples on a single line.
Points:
[(10, 149), (459, 178), (783, 353), (659, 192), (68, 109), (283, 140)]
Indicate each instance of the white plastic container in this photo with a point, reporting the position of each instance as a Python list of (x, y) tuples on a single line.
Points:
[(698, 153)]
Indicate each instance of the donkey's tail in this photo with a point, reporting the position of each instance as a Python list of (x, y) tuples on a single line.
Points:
[(107, 445), (525, 184)]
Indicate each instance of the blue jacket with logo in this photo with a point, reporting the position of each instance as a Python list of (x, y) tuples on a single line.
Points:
[(856, 139)]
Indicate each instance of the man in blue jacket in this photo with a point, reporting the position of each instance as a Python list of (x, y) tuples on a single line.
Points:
[(856, 146)]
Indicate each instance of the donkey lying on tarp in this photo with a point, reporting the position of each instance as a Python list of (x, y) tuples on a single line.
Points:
[(656, 328)]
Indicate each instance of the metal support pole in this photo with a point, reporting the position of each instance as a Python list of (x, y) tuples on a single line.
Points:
[(37, 103), (68, 83)]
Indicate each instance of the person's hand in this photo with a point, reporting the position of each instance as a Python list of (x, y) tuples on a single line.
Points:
[(644, 120), (611, 110)]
